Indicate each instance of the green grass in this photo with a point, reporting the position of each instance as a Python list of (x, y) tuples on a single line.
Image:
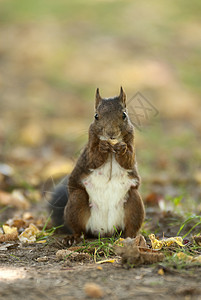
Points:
[(46, 233), (191, 219), (98, 248)]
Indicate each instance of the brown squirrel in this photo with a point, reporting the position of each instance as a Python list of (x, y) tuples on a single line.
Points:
[(102, 192)]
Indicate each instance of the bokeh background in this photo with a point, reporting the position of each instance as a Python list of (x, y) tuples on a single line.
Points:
[(54, 54)]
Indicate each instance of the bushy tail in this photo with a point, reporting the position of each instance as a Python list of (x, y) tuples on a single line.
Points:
[(58, 202)]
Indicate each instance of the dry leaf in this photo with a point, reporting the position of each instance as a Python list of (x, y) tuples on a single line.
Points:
[(5, 247), (189, 258), (93, 290), (106, 261), (136, 252), (42, 259), (29, 235), (15, 199), (19, 223), (27, 216), (161, 272), (41, 242), (9, 230), (159, 244), (184, 256), (20, 200), (10, 234)]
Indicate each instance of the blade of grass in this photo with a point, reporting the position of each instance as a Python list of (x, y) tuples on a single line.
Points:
[(198, 223)]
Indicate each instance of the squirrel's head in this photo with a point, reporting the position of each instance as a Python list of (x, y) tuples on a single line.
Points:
[(111, 119)]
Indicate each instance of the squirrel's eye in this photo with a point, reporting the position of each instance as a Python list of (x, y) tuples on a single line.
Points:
[(124, 116), (96, 116)]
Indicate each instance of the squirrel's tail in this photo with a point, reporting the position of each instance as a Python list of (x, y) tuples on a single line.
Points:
[(57, 204)]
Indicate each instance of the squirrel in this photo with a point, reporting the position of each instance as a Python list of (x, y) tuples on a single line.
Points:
[(101, 194)]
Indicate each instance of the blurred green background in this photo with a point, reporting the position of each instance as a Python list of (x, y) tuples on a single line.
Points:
[(54, 54)]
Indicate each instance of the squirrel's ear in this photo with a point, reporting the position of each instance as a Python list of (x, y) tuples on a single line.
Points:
[(98, 98), (122, 96)]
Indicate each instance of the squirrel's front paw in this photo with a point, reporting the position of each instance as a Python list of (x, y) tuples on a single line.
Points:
[(120, 148), (104, 146)]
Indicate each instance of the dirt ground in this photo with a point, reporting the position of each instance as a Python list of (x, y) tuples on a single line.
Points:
[(29, 277)]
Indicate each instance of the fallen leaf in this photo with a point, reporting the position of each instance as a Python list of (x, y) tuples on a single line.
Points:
[(41, 242), (5, 247), (42, 259), (9, 230), (159, 244), (161, 272), (189, 258), (15, 199), (93, 290), (19, 223), (21, 201), (184, 256), (136, 252), (29, 234), (8, 237), (106, 261), (27, 216)]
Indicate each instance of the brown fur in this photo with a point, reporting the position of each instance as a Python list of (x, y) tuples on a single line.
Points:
[(110, 125), (134, 213)]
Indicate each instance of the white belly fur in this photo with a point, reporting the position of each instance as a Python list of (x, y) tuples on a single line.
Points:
[(107, 189)]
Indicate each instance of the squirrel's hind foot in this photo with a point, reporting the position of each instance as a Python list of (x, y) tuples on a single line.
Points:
[(72, 239)]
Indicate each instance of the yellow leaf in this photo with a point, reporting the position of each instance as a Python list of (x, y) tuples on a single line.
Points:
[(9, 230), (184, 256), (161, 272), (106, 261), (41, 242), (29, 234), (157, 245)]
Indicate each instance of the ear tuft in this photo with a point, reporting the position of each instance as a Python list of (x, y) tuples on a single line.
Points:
[(98, 98), (122, 96)]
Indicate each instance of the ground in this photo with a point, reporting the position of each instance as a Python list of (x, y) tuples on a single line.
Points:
[(53, 56), (51, 279)]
